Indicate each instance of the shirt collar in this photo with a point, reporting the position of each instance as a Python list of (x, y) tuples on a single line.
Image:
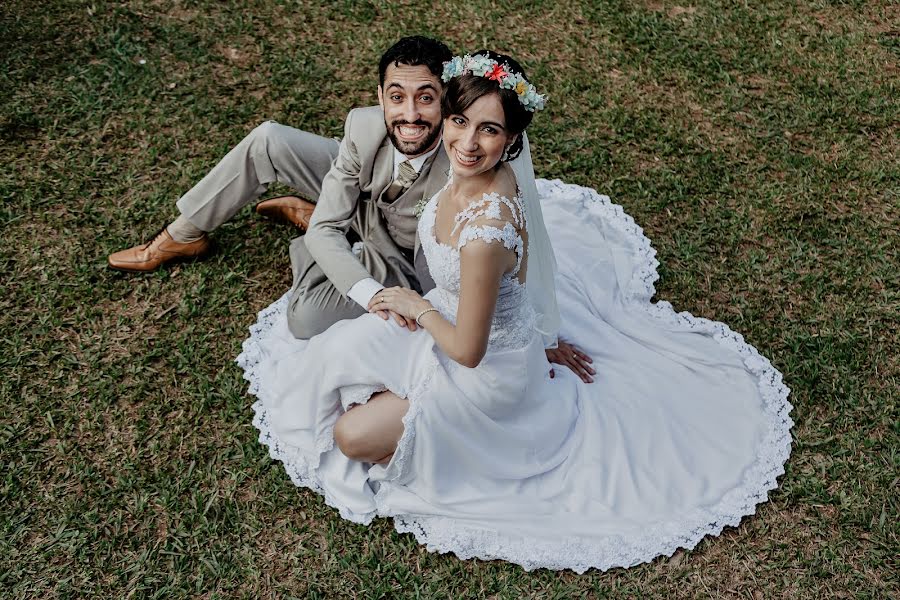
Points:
[(417, 162)]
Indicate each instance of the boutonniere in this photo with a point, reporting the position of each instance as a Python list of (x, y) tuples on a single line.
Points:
[(420, 207)]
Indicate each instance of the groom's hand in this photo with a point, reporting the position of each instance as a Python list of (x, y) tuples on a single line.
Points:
[(570, 356)]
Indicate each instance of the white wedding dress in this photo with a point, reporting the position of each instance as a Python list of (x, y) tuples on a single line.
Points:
[(683, 432)]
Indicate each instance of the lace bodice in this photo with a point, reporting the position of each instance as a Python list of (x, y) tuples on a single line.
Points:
[(514, 317)]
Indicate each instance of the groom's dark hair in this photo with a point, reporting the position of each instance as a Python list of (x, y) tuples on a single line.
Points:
[(413, 51)]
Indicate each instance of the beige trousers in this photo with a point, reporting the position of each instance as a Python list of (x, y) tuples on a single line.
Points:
[(270, 153)]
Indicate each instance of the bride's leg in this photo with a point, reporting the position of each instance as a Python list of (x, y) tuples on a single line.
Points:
[(370, 432)]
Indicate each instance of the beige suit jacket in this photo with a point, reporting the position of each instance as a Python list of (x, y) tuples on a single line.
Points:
[(351, 200)]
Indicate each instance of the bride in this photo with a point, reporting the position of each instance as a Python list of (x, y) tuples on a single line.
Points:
[(458, 431)]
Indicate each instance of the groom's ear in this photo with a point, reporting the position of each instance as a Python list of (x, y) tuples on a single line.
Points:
[(381, 97)]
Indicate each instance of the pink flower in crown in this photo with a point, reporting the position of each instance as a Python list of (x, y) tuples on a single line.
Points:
[(497, 73)]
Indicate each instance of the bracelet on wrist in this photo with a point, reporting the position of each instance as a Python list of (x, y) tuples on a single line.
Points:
[(427, 310)]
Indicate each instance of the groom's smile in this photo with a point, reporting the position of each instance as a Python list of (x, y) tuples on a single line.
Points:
[(410, 99), (410, 132)]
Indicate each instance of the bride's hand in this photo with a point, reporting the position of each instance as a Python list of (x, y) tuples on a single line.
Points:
[(570, 356), (403, 303), (387, 314)]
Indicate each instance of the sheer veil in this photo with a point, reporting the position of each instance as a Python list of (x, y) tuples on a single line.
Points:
[(541, 276)]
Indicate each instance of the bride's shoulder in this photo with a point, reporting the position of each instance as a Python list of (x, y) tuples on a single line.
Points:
[(504, 186)]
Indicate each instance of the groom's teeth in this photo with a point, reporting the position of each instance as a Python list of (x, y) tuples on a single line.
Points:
[(411, 131)]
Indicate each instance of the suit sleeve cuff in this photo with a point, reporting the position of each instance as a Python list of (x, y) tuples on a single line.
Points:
[(362, 291)]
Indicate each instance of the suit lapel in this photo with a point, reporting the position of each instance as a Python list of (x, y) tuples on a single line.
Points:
[(383, 171), (432, 179), (436, 176)]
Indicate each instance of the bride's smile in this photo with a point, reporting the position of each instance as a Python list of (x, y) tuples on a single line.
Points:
[(475, 140)]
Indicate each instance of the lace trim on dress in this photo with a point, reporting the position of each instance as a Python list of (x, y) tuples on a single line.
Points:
[(358, 394), (300, 467), (580, 554)]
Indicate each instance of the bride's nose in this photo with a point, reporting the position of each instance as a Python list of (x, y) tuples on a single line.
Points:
[(470, 140)]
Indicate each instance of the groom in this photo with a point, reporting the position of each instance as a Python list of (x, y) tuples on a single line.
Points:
[(365, 189), (361, 237)]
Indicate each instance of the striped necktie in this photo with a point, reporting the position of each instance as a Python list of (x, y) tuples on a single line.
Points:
[(406, 175)]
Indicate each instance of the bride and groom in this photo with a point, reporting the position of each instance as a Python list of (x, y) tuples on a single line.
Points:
[(457, 431), (367, 187)]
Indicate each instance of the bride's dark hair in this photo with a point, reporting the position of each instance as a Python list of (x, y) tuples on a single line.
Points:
[(461, 92)]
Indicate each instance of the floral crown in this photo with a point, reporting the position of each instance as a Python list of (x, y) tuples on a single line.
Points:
[(485, 66)]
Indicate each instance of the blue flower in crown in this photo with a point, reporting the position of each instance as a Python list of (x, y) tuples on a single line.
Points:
[(453, 68), (480, 64), (511, 82), (531, 100)]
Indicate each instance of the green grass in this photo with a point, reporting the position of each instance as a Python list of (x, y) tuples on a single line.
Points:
[(757, 144)]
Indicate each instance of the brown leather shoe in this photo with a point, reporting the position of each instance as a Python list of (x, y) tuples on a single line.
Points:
[(160, 250), (287, 209)]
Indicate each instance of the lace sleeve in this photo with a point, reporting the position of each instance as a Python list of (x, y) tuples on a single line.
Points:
[(497, 219), (492, 207), (489, 233)]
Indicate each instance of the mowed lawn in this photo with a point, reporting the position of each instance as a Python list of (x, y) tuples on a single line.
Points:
[(757, 144)]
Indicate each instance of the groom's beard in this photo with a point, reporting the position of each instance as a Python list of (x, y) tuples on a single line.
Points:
[(414, 148)]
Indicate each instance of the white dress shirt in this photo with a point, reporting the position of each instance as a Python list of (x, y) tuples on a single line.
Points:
[(363, 290)]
